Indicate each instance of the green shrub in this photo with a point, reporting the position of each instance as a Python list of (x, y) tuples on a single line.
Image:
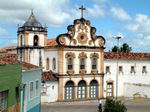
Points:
[(112, 105)]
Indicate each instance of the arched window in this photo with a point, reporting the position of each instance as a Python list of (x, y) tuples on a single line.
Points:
[(82, 89), (47, 64), (82, 63), (93, 89), (94, 63), (36, 40), (54, 63), (69, 90), (70, 63)]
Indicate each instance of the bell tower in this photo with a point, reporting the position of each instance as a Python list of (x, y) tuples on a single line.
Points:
[(32, 37)]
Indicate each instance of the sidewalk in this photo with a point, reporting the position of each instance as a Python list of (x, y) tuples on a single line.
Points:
[(87, 102)]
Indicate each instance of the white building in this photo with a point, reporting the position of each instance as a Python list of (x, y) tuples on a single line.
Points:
[(50, 87), (133, 74), (76, 57)]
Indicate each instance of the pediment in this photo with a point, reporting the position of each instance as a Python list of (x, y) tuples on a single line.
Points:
[(81, 33)]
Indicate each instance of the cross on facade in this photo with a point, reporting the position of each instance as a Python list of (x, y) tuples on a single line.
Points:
[(82, 9)]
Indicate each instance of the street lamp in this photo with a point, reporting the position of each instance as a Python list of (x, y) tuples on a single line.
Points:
[(117, 70)]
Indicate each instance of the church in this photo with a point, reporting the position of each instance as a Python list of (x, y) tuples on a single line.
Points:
[(74, 58)]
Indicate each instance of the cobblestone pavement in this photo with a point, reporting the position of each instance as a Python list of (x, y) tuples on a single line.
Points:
[(91, 106)]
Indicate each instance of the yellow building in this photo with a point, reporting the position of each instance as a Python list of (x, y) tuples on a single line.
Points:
[(77, 57)]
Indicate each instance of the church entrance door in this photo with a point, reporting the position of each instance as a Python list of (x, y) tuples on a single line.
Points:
[(69, 90), (82, 90), (93, 89)]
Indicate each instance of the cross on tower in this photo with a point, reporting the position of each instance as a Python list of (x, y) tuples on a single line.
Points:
[(82, 9)]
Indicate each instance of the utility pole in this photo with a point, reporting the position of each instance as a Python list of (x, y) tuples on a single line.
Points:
[(117, 69)]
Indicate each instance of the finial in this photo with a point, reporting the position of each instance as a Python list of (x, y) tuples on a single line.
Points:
[(32, 11), (82, 9)]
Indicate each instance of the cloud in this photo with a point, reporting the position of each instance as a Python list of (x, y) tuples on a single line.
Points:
[(141, 23), (96, 11), (120, 14), (3, 32), (50, 12)]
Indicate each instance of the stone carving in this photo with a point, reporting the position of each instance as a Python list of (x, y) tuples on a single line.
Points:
[(94, 72), (83, 71), (62, 40), (82, 55), (94, 55), (70, 55), (82, 38), (81, 34)]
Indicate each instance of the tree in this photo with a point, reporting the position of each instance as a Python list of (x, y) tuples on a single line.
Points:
[(115, 48), (112, 105), (124, 48)]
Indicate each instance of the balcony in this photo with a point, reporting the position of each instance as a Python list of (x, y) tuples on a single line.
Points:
[(94, 71), (70, 72), (82, 71)]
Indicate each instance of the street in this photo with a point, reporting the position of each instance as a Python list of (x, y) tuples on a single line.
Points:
[(91, 107)]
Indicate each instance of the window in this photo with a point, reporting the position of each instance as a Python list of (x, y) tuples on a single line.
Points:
[(47, 64), (31, 90), (43, 89), (120, 69), (36, 40), (37, 87), (144, 69), (132, 69), (40, 58), (21, 41), (107, 69), (70, 63), (109, 89), (82, 63), (54, 63), (3, 100), (52, 87), (69, 90), (94, 63)]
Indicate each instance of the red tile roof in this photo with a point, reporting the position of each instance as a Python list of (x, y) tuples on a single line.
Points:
[(49, 76), (6, 58), (28, 66), (51, 42), (12, 59), (127, 56)]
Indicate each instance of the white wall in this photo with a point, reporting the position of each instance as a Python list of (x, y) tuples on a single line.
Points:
[(51, 91), (51, 53), (34, 56), (41, 39), (126, 76), (131, 89)]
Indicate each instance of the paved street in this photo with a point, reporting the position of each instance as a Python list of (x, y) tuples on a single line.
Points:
[(91, 107)]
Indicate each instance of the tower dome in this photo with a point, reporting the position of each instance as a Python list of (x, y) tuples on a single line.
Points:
[(32, 24)]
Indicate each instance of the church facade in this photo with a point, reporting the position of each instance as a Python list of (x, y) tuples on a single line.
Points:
[(76, 57)]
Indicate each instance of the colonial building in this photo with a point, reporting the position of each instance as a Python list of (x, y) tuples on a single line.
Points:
[(76, 57), (31, 88), (133, 73), (10, 79), (32, 37)]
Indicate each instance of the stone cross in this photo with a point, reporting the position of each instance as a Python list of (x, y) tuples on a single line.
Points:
[(82, 9)]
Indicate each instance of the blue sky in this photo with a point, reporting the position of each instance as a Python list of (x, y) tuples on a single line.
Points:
[(127, 18)]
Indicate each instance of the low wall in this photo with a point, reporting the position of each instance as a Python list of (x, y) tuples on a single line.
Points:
[(136, 90)]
